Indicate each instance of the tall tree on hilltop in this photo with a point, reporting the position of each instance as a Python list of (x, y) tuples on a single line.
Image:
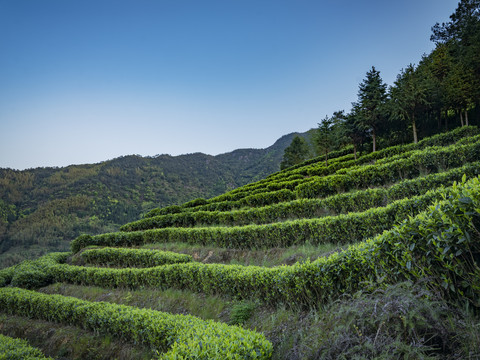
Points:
[(459, 89), (407, 96), (462, 37), (372, 94), (436, 67), (325, 137), (295, 153), (463, 26)]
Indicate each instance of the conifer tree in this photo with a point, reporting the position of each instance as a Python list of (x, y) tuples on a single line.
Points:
[(370, 105), (325, 137), (295, 153), (408, 94)]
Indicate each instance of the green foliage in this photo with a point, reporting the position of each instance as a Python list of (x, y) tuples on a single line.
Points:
[(241, 312), (369, 109), (18, 349), (354, 201), (401, 321), (30, 276), (132, 257), (47, 207), (176, 336), (419, 162), (441, 244), (339, 229), (195, 202), (332, 202), (278, 187), (407, 96), (319, 168), (33, 274), (325, 137), (295, 153)]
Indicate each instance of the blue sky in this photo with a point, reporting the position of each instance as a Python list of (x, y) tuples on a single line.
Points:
[(86, 81)]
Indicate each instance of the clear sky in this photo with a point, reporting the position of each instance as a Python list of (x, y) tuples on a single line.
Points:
[(83, 81)]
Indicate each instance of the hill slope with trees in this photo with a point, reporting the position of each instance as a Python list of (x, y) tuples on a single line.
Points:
[(350, 255), (43, 209), (374, 257)]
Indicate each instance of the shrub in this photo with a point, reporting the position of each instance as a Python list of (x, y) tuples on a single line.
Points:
[(354, 201), (425, 161), (31, 274), (336, 229), (442, 244), (178, 336), (19, 349), (292, 176), (133, 257), (195, 202), (241, 312), (402, 321)]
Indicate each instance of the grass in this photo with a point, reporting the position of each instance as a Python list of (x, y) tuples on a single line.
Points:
[(67, 342), (259, 257), (401, 321), (404, 321), (171, 300)]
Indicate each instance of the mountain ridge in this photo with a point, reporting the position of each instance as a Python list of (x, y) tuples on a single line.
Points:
[(43, 208)]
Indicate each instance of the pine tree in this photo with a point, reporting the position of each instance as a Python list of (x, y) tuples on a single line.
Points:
[(370, 105), (325, 137), (408, 94), (295, 153)]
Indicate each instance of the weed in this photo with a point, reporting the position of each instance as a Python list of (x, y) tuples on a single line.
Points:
[(241, 312), (401, 321)]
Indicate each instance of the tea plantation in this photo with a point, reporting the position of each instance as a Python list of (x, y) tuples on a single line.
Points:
[(375, 257)]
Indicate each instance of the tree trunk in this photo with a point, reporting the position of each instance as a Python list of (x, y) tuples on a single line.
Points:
[(374, 138), (355, 150), (466, 118), (414, 127), (439, 119), (461, 118), (326, 157), (446, 119)]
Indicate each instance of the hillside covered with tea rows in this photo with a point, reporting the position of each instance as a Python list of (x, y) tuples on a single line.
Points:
[(43, 209), (376, 257)]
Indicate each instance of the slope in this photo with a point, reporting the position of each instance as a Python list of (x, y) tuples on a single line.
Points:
[(43, 209), (387, 258)]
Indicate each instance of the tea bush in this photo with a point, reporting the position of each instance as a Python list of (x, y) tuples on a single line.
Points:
[(177, 336), (132, 257), (354, 201), (18, 349)]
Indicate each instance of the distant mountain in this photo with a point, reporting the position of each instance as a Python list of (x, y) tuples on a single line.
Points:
[(43, 209)]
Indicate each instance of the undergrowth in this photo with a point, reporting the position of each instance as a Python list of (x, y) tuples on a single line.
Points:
[(258, 257), (402, 321)]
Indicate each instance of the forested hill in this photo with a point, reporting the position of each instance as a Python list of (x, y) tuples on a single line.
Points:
[(43, 209)]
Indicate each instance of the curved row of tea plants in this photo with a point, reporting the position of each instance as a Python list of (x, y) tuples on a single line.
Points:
[(19, 349), (460, 135), (356, 177), (420, 162), (441, 244), (442, 139), (355, 201), (340, 229), (255, 200), (177, 336), (122, 257), (31, 274), (338, 155)]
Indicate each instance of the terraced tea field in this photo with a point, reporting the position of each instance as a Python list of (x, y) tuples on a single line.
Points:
[(263, 271)]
